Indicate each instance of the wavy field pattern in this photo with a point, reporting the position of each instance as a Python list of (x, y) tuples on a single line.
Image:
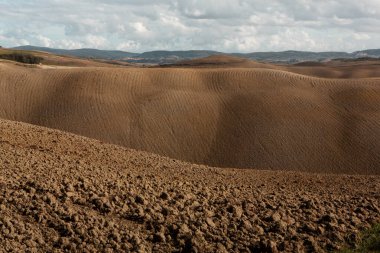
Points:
[(236, 117)]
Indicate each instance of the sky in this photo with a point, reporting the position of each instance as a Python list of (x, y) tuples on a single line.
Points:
[(221, 25)]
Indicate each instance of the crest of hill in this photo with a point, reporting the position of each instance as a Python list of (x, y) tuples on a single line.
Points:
[(336, 69), (340, 68), (223, 117), (83, 52), (221, 60), (50, 59)]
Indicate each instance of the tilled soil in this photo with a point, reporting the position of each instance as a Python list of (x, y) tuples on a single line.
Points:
[(222, 117), (64, 193)]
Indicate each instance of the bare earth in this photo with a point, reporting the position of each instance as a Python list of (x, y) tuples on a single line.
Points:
[(61, 192), (311, 146), (225, 117)]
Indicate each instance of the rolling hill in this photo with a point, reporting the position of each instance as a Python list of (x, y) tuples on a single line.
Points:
[(340, 68), (308, 135), (61, 192), (83, 52), (167, 57), (263, 118), (51, 60)]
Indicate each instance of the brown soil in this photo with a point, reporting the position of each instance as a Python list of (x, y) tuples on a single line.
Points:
[(224, 117), (365, 69), (221, 61), (53, 60), (318, 138), (65, 193), (332, 69)]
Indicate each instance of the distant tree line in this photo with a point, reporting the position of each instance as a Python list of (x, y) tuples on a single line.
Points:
[(24, 58)]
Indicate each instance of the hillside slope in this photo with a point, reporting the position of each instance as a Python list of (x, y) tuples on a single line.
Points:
[(334, 69), (66, 193), (48, 59), (338, 69), (241, 118), (83, 52)]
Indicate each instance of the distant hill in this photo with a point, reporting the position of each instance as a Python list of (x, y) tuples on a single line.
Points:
[(174, 56), (83, 53), (368, 53), (294, 56), (161, 57), (167, 57)]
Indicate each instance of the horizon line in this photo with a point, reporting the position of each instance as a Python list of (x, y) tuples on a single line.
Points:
[(187, 50)]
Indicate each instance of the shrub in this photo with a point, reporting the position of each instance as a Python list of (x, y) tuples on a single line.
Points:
[(20, 57), (369, 241)]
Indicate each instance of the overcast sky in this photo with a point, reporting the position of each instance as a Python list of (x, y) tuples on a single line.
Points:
[(222, 25)]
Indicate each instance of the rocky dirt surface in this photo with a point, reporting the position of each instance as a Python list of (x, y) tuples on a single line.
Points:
[(64, 193)]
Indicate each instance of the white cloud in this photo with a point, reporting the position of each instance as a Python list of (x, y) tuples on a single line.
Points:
[(362, 36), (44, 41), (223, 25), (68, 44), (129, 46), (292, 39), (342, 21), (139, 27), (246, 44), (95, 41)]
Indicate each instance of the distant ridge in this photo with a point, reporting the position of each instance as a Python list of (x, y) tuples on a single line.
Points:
[(295, 56), (83, 52), (166, 57)]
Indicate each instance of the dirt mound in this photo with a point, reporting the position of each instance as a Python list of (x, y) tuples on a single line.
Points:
[(61, 192), (240, 117)]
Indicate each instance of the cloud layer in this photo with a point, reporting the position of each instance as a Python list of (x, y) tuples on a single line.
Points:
[(222, 25)]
